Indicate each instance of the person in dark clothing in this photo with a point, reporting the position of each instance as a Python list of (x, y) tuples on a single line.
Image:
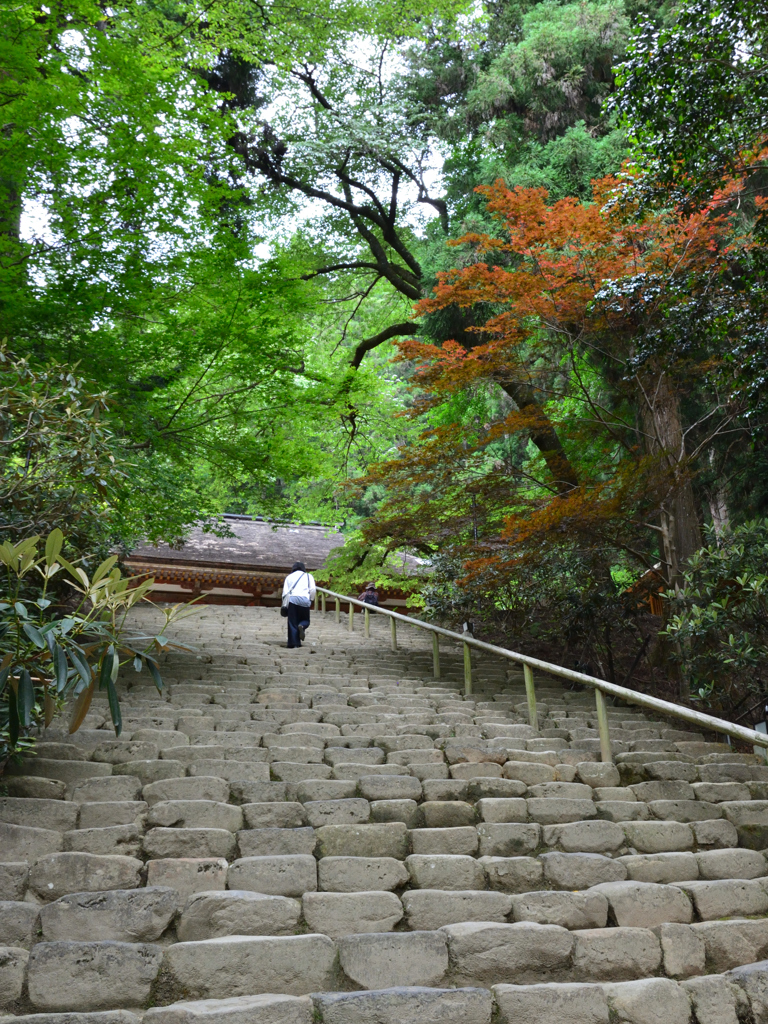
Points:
[(370, 595), (298, 595)]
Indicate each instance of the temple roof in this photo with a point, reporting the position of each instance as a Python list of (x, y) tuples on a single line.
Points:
[(257, 544)]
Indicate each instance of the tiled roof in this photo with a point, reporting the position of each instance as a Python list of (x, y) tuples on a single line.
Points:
[(256, 544)]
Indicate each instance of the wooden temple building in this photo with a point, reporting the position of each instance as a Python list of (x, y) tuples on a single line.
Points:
[(247, 568)]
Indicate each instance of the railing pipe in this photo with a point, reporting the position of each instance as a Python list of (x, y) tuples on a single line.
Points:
[(530, 693), (602, 725), (643, 700)]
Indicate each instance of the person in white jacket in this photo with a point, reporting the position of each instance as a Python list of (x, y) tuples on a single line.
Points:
[(298, 595)]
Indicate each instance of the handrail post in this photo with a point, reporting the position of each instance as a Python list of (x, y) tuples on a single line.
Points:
[(367, 622), (602, 725), (316, 596), (351, 617), (322, 597), (393, 623), (338, 610), (530, 693), (435, 657), (467, 670)]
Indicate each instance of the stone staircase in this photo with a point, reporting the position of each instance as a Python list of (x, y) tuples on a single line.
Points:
[(329, 836)]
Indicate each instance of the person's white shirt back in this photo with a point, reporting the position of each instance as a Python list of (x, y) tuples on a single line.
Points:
[(302, 588)]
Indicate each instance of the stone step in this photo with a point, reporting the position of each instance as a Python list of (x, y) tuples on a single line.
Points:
[(279, 827)]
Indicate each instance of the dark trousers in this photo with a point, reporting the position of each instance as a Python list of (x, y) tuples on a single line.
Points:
[(297, 616)]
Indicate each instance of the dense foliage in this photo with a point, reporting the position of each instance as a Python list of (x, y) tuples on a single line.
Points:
[(217, 230), (51, 655)]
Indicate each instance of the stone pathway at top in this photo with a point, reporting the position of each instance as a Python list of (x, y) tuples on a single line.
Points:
[(329, 835)]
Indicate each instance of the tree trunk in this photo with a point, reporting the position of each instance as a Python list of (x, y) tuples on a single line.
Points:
[(678, 518), (544, 436)]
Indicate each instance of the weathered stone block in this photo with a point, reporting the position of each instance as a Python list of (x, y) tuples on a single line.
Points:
[(645, 904), (289, 875), (399, 959), (554, 810), (340, 913), (445, 871), (355, 811), (261, 1009), (267, 842), (580, 870), (584, 837), (733, 943), (567, 909), (429, 909), (188, 875), (199, 813), (682, 949), (91, 975), (327, 789), (23, 843), (713, 999), (18, 923), (569, 1003), (513, 874), (249, 965), (658, 836), (161, 843), (615, 954), (663, 868), (58, 874), (13, 880), (13, 963), (55, 815), (361, 874), (111, 839), (444, 840), (122, 915), (727, 898), (116, 787), (388, 840), (274, 815), (412, 1005), (508, 840), (211, 915), (731, 864), (488, 954), (651, 1001), (106, 814)]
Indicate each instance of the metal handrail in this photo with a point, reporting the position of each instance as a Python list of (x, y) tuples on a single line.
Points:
[(600, 686)]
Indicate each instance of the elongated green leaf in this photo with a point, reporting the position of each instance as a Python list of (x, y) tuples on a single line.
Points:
[(53, 546), (114, 707), (105, 670), (77, 657), (50, 708), (60, 667), (34, 635), (103, 569), (152, 666), (25, 699), (13, 717)]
